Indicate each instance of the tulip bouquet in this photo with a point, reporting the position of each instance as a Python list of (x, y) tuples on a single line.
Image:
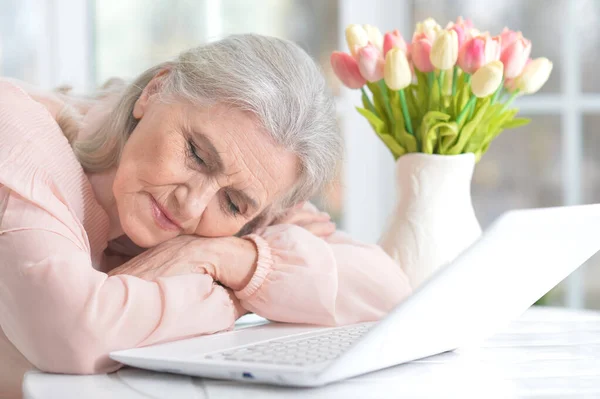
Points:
[(447, 92)]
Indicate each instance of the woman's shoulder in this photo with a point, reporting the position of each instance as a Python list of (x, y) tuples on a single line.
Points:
[(22, 113), (31, 139), (38, 164)]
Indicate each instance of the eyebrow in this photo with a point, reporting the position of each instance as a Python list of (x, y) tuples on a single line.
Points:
[(217, 161)]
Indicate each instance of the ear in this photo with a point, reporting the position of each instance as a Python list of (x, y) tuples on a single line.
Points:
[(152, 88)]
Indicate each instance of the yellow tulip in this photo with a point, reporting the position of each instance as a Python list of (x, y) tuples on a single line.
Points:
[(374, 35), (534, 75), (485, 80), (444, 51), (356, 37), (429, 28), (397, 73)]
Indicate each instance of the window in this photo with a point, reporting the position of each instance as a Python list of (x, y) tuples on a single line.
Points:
[(553, 161)]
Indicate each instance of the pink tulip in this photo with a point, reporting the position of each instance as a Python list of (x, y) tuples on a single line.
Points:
[(515, 55), (371, 63), (510, 84), (477, 52), (462, 28), (471, 56), (467, 23), (507, 37), (492, 48), (393, 40), (420, 50), (346, 69)]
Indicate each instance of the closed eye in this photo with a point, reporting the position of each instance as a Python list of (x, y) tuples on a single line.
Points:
[(231, 206), (194, 154)]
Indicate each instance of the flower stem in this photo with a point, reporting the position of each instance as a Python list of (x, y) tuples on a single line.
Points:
[(368, 100), (454, 78), (441, 88), (497, 92), (471, 110), (430, 78), (405, 113), (388, 108), (511, 99), (462, 114)]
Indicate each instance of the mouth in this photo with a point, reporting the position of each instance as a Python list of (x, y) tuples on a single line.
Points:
[(162, 217)]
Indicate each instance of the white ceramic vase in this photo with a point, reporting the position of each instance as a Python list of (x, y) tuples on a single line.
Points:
[(434, 220)]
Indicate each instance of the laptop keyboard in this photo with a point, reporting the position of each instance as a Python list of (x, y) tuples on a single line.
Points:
[(297, 351)]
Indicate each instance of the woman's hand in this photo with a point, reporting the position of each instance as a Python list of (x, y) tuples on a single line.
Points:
[(228, 260), (307, 216), (180, 255)]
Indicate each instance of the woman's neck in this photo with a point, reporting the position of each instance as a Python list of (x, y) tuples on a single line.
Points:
[(102, 183)]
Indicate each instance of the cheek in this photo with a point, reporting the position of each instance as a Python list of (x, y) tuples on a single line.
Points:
[(158, 161), (216, 223)]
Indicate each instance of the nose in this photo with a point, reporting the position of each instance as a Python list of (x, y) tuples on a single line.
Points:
[(192, 199)]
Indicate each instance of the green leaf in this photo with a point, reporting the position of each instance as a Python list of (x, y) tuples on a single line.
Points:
[(516, 122), (504, 117), (463, 96), (428, 131), (396, 113), (434, 96), (405, 139), (397, 149), (412, 103), (421, 90), (494, 113), (377, 124), (432, 116), (367, 104), (379, 99), (448, 133), (468, 130)]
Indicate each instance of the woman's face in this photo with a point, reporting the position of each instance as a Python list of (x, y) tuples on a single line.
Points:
[(192, 170)]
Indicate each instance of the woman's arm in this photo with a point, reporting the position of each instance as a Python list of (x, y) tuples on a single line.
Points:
[(302, 278), (64, 316), (57, 310)]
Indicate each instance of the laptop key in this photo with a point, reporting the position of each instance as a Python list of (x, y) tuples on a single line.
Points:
[(299, 350)]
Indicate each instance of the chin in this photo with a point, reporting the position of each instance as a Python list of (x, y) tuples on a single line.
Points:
[(141, 235)]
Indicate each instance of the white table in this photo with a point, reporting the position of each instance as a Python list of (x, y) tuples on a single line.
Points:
[(549, 352)]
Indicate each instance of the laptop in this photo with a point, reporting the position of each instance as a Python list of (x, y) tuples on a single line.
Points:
[(523, 255)]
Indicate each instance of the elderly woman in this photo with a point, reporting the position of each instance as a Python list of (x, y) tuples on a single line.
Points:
[(206, 160)]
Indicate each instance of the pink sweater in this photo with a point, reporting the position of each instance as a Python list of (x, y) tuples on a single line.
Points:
[(61, 314)]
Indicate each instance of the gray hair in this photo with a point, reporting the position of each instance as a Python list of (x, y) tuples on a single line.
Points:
[(272, 78)]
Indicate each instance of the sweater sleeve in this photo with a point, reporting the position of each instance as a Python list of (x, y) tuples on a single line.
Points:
[(302, 278), (64, 316), (60, 312)]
